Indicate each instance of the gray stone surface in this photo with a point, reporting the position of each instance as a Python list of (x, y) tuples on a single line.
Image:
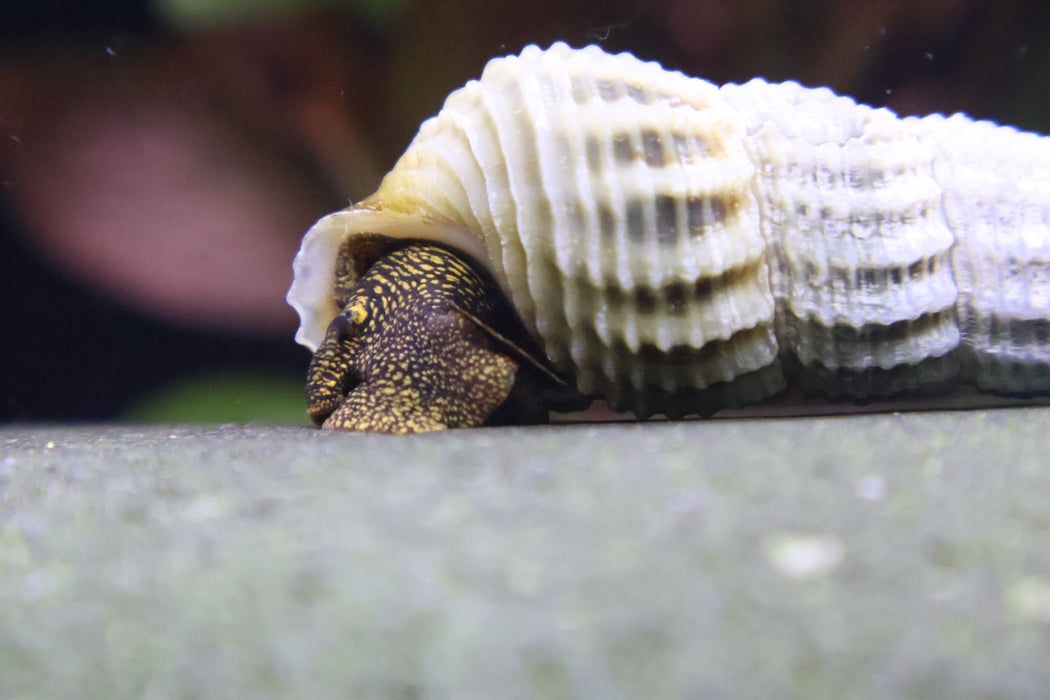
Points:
[(878, 556)]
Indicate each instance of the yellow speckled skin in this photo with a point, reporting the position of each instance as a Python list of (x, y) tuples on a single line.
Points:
[(414, 348)]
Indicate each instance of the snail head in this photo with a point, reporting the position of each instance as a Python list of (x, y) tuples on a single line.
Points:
[(424, 340)]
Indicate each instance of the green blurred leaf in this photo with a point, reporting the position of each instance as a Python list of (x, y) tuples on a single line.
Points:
[(225, 398), (202, 14)]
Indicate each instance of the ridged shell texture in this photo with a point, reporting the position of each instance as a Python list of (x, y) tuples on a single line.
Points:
[(661, 235)]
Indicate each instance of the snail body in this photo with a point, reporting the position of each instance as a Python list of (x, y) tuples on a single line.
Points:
[(675, 247)]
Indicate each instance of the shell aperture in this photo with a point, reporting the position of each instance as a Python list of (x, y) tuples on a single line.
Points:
[(422, 343), (675, 247)]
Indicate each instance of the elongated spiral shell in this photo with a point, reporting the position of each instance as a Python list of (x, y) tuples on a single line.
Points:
[(669, 242)]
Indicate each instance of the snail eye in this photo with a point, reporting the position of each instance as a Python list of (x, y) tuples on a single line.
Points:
[(350, 321), (356, 314)]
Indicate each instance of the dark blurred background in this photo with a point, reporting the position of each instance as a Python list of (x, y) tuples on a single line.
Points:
[(160, 159)]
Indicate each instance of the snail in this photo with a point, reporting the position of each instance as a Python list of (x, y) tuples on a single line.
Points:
[(578, 224)]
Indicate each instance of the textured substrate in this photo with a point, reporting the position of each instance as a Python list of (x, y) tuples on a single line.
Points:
[(865, 557)]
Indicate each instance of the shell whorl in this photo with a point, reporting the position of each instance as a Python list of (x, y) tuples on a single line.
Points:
[(660, 235), (612, 201)]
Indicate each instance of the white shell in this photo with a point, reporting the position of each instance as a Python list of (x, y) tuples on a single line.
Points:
[(660, 235)]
